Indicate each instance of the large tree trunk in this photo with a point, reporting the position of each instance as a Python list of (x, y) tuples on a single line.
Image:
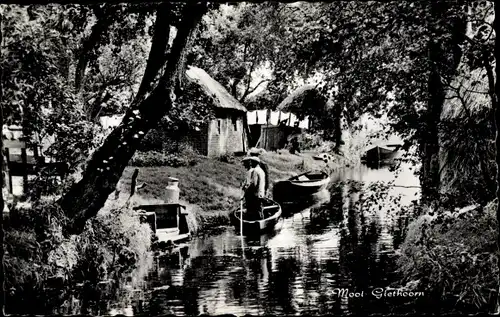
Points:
[(85, 198), (157, 54), (444, 57), (2, 180), (494, 85), (430, 141)]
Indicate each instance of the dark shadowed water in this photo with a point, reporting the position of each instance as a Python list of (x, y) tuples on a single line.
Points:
[(336, 242)]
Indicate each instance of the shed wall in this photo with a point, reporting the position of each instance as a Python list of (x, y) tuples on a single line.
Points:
[(226, 135)]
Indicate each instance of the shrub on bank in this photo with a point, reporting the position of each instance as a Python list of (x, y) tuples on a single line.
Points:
[(153, 158), (227, 158), (51, 271), (310, 141), (452, 255)]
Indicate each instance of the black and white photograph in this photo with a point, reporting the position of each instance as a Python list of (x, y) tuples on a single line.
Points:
[(249, 158)]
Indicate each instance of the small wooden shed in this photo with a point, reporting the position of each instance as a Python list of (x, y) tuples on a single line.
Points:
[(271, 129)]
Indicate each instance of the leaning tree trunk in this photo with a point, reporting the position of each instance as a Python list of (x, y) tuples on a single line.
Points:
[(493, 88), (497, 159), (2, 179), (103, 171), (158, 50)]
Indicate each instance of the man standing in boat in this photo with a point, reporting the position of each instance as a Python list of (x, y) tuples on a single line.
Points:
[(254, 188), (264, 167)]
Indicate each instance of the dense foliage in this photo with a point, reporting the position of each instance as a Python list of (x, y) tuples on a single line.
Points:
[(54, 272), (153, 158), (233, 47), (46, 108), (452, 256)]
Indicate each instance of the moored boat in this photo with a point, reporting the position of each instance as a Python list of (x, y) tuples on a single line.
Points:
[(309, 182), (381, 154), (272, 214), (169, 222)]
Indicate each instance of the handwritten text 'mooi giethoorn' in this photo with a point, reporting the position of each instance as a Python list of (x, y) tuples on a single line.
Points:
[(376, 292)]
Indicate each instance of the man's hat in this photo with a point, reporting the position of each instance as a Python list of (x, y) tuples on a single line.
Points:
[(251, 158), (254, 152)]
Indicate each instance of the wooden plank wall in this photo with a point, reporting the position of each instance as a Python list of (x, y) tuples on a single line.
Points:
[(271, 137)]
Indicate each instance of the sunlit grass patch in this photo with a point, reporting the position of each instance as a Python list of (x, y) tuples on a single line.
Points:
[(211, 189)]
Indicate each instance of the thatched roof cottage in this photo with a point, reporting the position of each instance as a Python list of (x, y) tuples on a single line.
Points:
[(224, 134)]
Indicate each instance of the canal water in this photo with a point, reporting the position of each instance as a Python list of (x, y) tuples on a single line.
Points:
[(342, 239)]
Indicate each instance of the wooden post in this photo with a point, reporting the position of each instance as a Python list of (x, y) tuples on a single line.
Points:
[(263, 135), (378, 156), (268, 116), (9, 175), (241, 217), (180, 261), (243, 131), (133, 185), (25, 170), (36, 154)]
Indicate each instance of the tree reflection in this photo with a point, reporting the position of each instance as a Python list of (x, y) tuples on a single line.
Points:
[(326, 213), (280, 288)]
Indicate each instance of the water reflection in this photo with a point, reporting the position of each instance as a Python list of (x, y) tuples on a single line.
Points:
[(333, 241)]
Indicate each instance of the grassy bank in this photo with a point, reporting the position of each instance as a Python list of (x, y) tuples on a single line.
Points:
[(452, 256), (211, 188)]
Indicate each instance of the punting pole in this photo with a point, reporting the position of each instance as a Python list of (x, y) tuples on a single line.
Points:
[(241, 229), (241, 217)]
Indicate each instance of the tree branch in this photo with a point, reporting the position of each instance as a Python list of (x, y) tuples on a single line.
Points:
[(253, 89), (491, 79), (245, 94), (234, 88), (95, 107), (89, 44)]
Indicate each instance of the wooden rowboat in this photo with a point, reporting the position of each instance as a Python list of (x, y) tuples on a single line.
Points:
[(381, 154), (309, 182), (272, 214)]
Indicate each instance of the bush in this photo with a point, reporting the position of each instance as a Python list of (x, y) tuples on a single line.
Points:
[(227, 158), (153, 140), (313, 142), (153, 158), (46, 268), (452, 255)]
